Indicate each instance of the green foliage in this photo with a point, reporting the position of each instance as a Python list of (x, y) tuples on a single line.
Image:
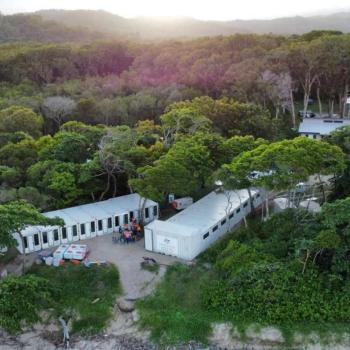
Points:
[(183, 170), (10, 176), (287, 271), (174, 313), (229, 117), (76, 288), (14, 137), (20, 119), (66, 147), (285, 163), (19, 155), (15, 216), (21, 300), (237, 257), (275, 294)]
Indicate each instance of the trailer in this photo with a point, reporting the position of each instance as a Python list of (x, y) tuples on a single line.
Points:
[(182, 203)]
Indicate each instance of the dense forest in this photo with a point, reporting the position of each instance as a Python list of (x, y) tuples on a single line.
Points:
[(83, 122), (97, 112)]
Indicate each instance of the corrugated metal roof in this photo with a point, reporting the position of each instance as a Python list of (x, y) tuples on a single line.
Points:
[(322, 126)]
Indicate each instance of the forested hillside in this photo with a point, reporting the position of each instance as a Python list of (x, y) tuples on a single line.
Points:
[(88, 25), (189, 27), (238, 85), (34, 28)]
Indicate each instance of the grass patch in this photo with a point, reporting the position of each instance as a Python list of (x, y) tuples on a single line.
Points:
[(86, 295), (174, 313), (8, 256), (151, 267)]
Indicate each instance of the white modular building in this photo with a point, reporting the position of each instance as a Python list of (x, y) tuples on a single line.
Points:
[(86, 221), (193, 230), (318, 128)]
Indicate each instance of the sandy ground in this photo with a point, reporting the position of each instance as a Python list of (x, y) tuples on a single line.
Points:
[(136, 282)]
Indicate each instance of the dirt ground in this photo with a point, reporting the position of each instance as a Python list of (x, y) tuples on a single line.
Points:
[(136, 282)]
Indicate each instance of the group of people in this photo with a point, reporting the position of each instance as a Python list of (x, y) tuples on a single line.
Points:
[(130, 232)]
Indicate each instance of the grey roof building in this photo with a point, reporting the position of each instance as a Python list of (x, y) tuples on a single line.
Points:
[(317, 128)]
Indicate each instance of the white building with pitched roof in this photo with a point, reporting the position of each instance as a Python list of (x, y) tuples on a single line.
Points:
[(188, 233), (317, 128), (86, 221)]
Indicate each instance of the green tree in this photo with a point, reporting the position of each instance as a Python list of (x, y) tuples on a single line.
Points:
[(21, 300), (15, 119), (183, 120), (15, 216), (282, 165), (64, 188), (66, 147), (19, 155)]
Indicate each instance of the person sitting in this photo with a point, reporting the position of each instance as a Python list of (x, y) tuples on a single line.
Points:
[(127, 236)]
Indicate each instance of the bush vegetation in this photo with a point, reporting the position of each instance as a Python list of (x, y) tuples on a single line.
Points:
[(289, 271), (87, 295), (84, 295)]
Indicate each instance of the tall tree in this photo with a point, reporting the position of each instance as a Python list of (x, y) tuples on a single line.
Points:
[(58, 108), (15, 118)]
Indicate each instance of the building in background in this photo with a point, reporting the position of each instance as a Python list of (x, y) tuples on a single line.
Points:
[(317, 128)]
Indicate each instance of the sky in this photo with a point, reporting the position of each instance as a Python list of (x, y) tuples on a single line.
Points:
[(200, 9)]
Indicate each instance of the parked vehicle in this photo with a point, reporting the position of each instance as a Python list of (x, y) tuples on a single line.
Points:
[(307, 114)]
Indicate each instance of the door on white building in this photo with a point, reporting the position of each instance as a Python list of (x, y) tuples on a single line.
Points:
[(93, 228), (36, 241), (56, 237), (45, 239), (75, 235), (109, 225), (64, 235), (82, 231), (100, 227)]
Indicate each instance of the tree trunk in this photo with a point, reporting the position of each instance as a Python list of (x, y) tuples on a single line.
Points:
[(142, 215), (322, 188), (306, 102), (251, 199), (277, 112), (332, 108), (306, 259), (293, 108), (319, 101), (346, 92), (24, 253), (267, 206), (114, 185), (107, 187)]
